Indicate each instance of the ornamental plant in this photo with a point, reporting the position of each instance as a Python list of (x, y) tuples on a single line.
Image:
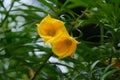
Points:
[(95, 24), (53, 31)]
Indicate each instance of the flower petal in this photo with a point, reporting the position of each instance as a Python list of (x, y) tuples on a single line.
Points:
[(50, 28), (64, 46)]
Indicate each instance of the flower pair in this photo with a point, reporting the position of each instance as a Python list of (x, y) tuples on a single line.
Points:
[(116, 62), (54, 32)]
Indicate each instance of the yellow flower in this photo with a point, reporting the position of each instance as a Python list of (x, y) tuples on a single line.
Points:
[(50, 28), (114, 60), (31, 73), (64, 45)]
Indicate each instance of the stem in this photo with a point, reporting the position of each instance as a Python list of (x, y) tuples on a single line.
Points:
[(7, 13), (62, 7), (41, 66), (102, 34)]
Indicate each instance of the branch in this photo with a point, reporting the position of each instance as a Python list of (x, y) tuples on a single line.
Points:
[(41, 66)]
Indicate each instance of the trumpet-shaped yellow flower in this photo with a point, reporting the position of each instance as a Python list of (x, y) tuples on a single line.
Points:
[(50, 28), (64, 45)]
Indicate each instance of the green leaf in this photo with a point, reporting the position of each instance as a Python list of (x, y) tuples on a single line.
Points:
[(94, 65), (109, 73)]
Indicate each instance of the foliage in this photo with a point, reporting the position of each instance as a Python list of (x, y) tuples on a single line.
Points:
[(94, 23)]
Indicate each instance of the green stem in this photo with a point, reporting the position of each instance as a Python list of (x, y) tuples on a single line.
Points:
[(41, 66), (61, 9), (7, 13), (102, 34)]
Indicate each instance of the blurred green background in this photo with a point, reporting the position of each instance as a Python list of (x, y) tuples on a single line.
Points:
[(94, 23)]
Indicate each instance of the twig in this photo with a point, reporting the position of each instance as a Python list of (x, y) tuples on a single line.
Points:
[(41, 66)]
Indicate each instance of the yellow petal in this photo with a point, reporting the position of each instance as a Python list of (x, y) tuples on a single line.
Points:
[(64, 45), (50, 28)]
